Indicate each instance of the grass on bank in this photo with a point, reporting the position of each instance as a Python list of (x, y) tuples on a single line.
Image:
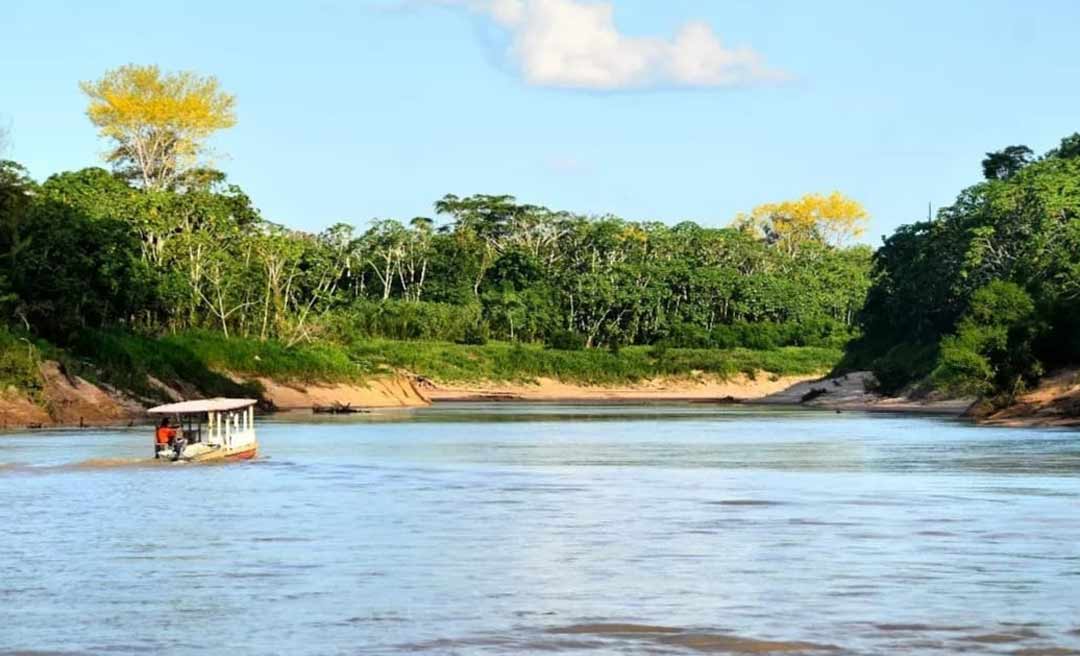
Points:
[(503, 362), (200, 361)]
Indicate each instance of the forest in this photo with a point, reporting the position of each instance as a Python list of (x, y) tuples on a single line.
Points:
[(87, 251), (985, 298), (113, 267), (160, 244)]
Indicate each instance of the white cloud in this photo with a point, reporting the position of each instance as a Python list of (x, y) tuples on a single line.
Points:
[(576, 44)]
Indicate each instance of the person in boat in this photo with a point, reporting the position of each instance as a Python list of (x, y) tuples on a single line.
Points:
[(164, 436)]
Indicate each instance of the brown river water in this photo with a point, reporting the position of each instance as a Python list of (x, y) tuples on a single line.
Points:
[(549, 529)]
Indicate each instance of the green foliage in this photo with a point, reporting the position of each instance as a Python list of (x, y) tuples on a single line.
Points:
[(565, 340), (125, 360), (17, 192), (87, 250), (80, 267), (476, 334), (502, 361), (940, 286), (762, 336), (992, 349), (200, 359), (408, 320), (900, 366), (1069, 148), (271, 358), (101, 267), (19, 363), (1004, 164)]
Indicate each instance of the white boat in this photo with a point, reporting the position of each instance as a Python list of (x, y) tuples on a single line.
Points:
[(210, 429)]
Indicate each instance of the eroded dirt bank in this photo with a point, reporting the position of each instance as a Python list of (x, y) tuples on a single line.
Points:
[(68, 400), (379, 392), (1055, 402)]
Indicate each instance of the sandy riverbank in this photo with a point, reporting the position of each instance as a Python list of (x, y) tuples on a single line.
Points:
[(699, 388), (378, 392), (847, 392), (72, 401)]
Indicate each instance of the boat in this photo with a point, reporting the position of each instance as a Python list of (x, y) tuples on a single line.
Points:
[(206, 430)]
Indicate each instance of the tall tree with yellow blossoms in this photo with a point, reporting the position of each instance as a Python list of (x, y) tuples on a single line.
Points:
[(833, 219), (158, 122)]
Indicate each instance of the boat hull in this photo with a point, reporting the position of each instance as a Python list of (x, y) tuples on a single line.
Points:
[(242, 452)]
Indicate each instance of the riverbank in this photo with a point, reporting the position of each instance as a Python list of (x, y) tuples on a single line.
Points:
[(701, 388), (848, 392), (1055, 402), (74, 401), (130, 373), (111, 377), (65, 399)]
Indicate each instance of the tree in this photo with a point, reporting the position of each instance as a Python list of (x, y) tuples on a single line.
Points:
[(385, 242), (413, 268), (485, 225), (832, 220), (1069, 148), (17, 193), (992, 348), (77, 271), (1011, 238), (158, 122), (1004, 164)]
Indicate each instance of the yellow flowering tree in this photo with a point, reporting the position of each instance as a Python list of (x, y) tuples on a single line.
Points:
[(158, 122), (834, 219)]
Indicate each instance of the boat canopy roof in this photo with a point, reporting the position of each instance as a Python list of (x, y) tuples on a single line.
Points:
[(205, 405)]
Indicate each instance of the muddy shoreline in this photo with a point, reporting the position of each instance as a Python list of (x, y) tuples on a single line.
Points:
[(73, 402)]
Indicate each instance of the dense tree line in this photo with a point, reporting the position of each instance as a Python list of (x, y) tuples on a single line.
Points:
[(163, 243), (986, 297), (89, 249), (981, 300)]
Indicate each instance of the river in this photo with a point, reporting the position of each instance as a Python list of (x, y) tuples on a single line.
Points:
[(517, 529)]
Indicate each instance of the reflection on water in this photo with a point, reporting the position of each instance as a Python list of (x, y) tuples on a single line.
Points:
[(537, 529)]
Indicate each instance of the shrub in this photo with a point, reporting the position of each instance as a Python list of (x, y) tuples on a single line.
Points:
[(725, 336), (962, 370), (476, 334), (403, 320), (688, 335), (992, 350), (759, 336), (902, 365), (18, 363), (565, 340)]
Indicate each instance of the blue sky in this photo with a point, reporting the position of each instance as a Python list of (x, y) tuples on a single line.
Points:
[(356, 110)]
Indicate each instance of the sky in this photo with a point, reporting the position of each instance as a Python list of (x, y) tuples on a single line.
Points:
[(666, 110)]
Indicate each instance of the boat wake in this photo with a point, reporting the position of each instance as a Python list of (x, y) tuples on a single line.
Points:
[(82, 465)]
